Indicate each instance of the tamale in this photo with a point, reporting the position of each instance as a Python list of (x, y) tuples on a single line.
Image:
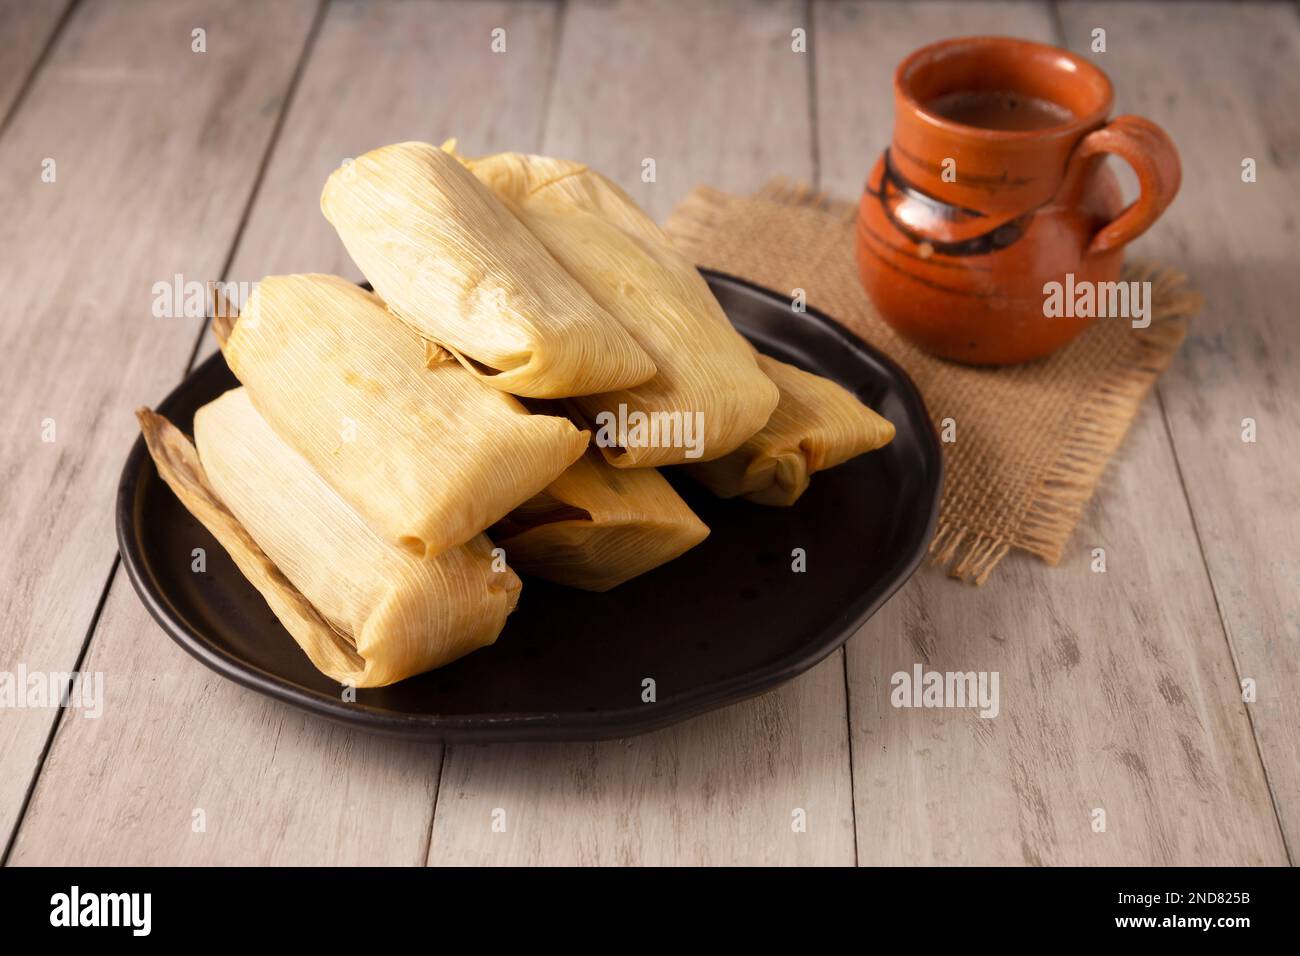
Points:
[(452, 262), (595, 526), (708, 394), (817, 424), (429, 456), (364, 611)]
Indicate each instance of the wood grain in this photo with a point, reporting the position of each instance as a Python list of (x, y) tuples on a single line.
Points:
[(714, 95), (1116, 691), (26, 28), (151, 180), (276, 786), (1114, 695), (711, 91), (1224, 85), (724, 789)]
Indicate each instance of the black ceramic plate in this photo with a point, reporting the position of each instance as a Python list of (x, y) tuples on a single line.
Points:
[(725, 621)]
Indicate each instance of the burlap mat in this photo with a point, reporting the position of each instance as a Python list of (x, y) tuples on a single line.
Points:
[(1031, 440)]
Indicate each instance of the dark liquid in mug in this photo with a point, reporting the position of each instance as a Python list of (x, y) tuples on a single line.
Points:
[(999, 109)]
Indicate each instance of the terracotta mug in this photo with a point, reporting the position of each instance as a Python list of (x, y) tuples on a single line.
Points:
[(993, 186)]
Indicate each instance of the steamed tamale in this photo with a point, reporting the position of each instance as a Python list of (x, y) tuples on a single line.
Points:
[(707, 380), (365, 612), (428, 455), (452, 262), (595, 526), (817, 424)]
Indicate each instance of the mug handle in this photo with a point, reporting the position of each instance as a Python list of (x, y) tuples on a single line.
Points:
[(1151, 153)]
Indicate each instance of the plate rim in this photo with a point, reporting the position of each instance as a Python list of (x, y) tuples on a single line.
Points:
[(541, 725)]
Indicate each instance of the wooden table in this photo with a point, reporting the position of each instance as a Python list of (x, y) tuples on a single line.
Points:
[(1120, 691)]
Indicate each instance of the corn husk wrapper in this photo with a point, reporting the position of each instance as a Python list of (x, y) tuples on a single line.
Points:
[(428, 456), (453, 263), (365, 612), (706, 370), (595, 526), (817, 424)]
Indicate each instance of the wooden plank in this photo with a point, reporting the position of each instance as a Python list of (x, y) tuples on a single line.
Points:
[(1223, 81), (714, 94), (27, 30), (721, 790), (278, 787), (1114, 694), (150, 179)]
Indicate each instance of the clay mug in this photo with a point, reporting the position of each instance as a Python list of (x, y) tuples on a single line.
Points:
[(994, 185)]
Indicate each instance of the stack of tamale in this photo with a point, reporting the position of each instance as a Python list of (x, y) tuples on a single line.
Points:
[(377, 470)]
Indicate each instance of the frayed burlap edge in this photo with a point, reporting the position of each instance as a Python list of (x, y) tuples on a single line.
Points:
[(1103, 420)]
